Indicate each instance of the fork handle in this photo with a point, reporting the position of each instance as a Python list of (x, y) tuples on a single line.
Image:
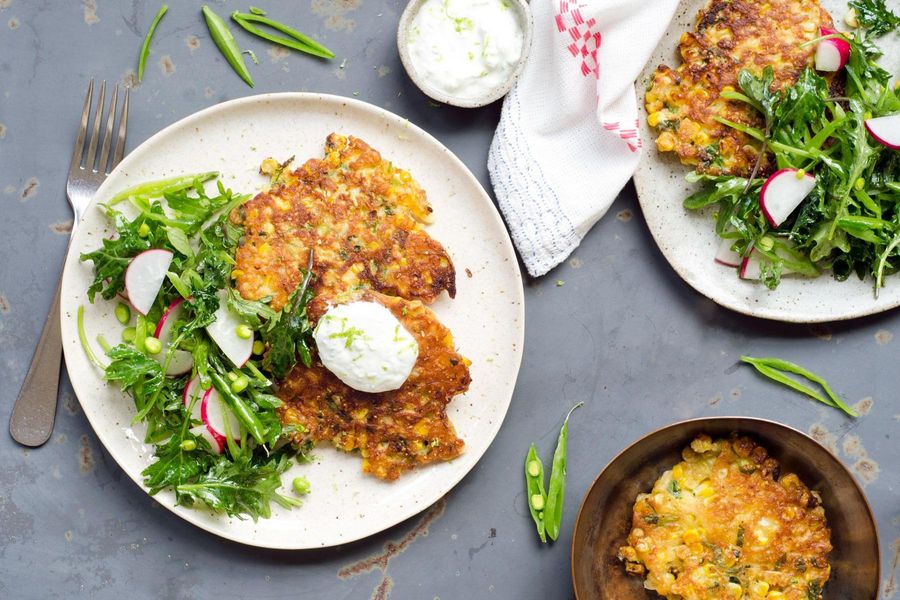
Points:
[(33, 414)]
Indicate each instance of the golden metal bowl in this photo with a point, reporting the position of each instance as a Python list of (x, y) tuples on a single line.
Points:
[(605, 517)]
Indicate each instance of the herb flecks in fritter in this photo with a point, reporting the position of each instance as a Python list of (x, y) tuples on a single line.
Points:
[(731, 35), (726, 523)]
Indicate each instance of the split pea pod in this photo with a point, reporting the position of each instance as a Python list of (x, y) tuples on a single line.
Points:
[(295, 39), (534, 486), (243, 412), (224, 40), (556, 490), (145, 48)]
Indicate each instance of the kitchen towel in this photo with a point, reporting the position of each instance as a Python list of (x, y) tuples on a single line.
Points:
[(568, 136)]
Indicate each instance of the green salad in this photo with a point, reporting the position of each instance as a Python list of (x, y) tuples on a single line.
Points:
[(832, 203), (197, 359)]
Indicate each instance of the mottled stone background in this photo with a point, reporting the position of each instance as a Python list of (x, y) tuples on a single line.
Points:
[(614, 327)]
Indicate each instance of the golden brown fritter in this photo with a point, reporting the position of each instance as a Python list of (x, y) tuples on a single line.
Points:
[(360, 214), (731, 35), (725, 524), (393, 431)]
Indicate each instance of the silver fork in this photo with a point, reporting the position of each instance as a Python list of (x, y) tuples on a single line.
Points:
[(33, 415)]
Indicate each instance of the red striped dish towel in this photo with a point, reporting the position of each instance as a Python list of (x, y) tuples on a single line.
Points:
[(568, 141)]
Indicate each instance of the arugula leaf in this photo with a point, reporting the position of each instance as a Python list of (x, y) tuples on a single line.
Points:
[(759, 91), (289, 333), (131, 368), (174, 465), (239, 487), (254, 312), (875, 16)]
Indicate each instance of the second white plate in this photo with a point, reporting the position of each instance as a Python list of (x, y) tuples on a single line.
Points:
[(688, 240)]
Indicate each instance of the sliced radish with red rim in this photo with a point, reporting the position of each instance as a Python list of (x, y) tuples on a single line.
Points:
[(832, 54), (214, 413), (181, 361), (885, 130), (224, 330), (144, 277), (783, 192)]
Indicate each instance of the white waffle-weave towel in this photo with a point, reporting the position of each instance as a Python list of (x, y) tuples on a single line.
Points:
[(568, 140)]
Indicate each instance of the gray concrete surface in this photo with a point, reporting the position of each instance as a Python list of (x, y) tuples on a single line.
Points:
[(623, 333)]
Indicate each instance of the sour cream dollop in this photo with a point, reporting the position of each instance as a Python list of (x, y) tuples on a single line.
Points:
[(365, 346), (465, 48)]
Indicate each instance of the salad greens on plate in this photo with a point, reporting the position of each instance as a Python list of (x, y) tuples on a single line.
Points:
[(197, 359), (838, 151)]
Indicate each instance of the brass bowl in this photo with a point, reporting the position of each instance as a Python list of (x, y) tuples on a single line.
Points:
[(604, 520)]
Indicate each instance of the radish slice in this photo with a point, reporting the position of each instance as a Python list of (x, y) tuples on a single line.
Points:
[(885, 130), (214, 412), (831, 54), (726, 256), (144, 276), (191, 390), (182, 361), (223, 331), (751, 268), (217, 445), (782, 192)]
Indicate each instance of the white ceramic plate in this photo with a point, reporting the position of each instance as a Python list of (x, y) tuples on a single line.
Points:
[(689, 242), (486, 317)]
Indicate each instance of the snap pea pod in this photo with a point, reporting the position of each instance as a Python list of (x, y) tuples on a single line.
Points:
[(295, 41), (161, 187), (534, 486), (556, 490), (774, 369), (243, 412), (145, 48), (224, 40)]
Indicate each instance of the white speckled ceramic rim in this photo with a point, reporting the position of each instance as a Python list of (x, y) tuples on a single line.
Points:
[(688, 240), (486, 317), (524, 12)]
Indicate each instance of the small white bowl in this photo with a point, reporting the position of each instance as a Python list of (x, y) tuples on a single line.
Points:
[(523, 12)]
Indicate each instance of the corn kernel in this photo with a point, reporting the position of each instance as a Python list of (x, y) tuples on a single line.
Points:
[(759, 589), (691, 536), (776, 595), (677, 471), (653, 119), (665, 142), (704, 490), (651, 97), (734, 589)]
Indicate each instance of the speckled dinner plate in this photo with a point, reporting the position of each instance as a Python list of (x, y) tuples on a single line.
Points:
[(486, 316), (688, 239)]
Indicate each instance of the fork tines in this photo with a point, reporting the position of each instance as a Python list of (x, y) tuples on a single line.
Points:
[(93, 162)]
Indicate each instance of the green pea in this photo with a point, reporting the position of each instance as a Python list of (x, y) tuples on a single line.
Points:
[(188, 445), (240, 384), (123, 313), (301, 485), (244, 331), (231, 375), (153, 345), (537, 501), (766, 243), (128, 334), (144, 230), (258, 347)]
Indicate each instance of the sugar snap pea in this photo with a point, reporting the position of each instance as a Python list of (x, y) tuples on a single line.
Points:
[(224, 40), (556, 490), (534, 487), (145, 48), (295, 39), (774, 369), (243, 412)]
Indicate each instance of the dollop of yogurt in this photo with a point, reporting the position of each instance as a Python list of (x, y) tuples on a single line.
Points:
[(365, 346), (465, 48)]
